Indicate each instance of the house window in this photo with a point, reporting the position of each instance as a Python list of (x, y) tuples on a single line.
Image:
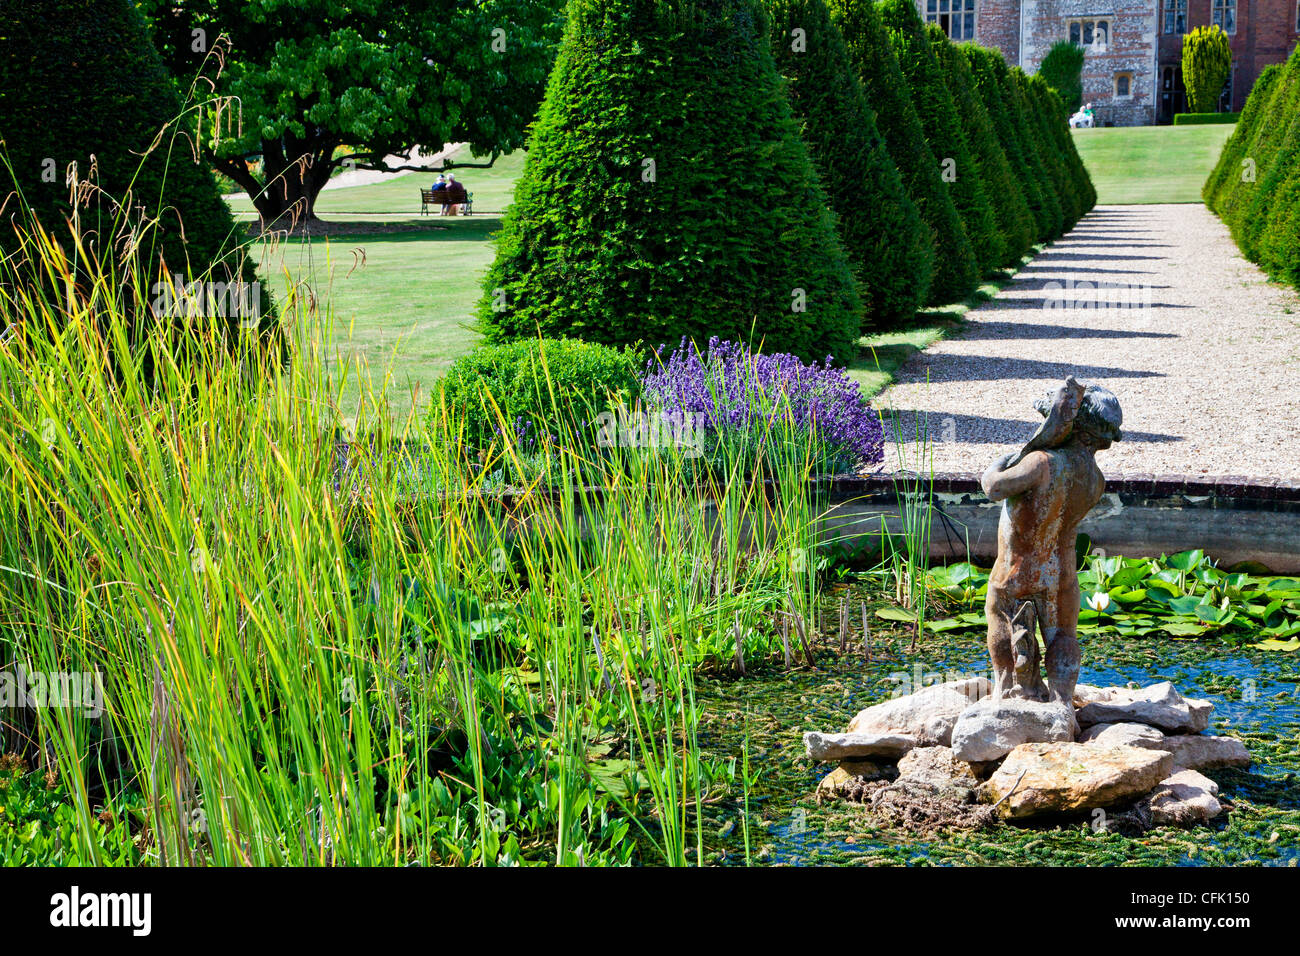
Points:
[(1175, 16), (1297, 16), (1225, 15), (1123, 86), (1090, 33), (955, 17)]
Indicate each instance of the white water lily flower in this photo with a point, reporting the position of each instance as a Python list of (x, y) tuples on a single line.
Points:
[(1098, 600)]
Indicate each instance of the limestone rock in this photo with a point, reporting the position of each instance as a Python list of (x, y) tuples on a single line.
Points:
[(1067, 777), (927, 715), (1185, 799), (992, 728), (1159, 705), (936, 766), (1124, 735), (1201, 752), (850, 770), (855, 745)]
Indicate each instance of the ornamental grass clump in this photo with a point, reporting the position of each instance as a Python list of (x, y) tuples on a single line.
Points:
[(755, 409)]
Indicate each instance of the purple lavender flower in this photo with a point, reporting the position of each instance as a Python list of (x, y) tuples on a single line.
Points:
[(736, 392)]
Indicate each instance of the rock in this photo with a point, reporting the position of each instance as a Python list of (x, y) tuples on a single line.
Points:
[(1158, 706), (1042, 778), (1184, 799), (848, 746), (991, 729), (1086, 693), (927, 715), (1198, 752), (1124, 735), (937, 766), (850, 770)]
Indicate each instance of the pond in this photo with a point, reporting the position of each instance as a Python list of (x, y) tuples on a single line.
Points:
[(1256, 697)]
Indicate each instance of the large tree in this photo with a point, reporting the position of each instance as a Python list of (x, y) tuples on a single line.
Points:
[(306, 77)]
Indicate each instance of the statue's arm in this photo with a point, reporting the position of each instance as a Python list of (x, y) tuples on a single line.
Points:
[(1031, 472)]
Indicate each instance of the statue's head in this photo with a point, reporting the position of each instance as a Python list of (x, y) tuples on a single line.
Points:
[(1099, 415)]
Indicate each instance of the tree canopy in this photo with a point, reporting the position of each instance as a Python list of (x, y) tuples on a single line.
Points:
[(306, 77)]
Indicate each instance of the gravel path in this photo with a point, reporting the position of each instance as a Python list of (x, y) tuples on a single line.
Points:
[(1202, 351)]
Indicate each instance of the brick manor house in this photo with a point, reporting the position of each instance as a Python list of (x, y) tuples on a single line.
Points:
[(1132, 73)]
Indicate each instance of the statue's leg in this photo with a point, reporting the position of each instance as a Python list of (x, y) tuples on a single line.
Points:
[(999, 608), (1063, 643), (1035, 689)]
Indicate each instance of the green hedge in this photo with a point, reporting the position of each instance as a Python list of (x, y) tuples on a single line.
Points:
[(887, 242), (81, 78), (1062, 69), (1255, 186), (956, 270), (545, 389), (993, 84), (667, 193), (1015, 222), (943, 130), (1205, 119)]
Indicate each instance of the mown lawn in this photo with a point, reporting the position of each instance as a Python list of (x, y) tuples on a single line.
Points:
[(1135, 165), (403, 301)]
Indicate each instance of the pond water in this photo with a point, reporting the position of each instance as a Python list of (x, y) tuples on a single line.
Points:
[(1256, 696)]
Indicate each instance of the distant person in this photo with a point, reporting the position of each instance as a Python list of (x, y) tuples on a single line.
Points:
[(454, 196)]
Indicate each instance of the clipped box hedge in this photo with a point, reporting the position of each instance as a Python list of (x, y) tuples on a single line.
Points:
[(1204, 119)]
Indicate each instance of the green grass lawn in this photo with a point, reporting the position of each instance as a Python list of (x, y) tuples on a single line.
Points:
[(401, 302), (1133, 165)]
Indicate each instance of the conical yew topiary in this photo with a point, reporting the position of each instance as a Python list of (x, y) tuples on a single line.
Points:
[(956, 270), (887, 242), (993, 83), (943, 130), (1015, 222), (81, 79), (667, 193)]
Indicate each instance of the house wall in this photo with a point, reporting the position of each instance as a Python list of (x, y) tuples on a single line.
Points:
[(1024, 31)]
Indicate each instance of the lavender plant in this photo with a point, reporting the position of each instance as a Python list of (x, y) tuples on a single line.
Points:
[(753, 407)]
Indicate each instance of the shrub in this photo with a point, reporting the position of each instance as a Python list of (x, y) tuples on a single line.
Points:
[(1227, 171), (1206, 119), (956, 270), (544, 390), (943, 130), (756, 408), (1083, 194), (993, 83), (1207, 64), (1015, 221), (1039, 117), (1062, 70), (80, 78), (667, 193), (1250, 205), (887, 242)]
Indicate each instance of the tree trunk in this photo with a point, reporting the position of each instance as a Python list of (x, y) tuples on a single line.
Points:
[(294, 172)]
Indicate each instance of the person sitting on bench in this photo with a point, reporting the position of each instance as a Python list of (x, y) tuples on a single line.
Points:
[(454, 195), (439, 184)]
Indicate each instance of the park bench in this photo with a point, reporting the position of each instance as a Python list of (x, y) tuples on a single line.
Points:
[(430, 198)]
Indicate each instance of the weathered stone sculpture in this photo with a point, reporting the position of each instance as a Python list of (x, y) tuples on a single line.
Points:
[(1046, 490)]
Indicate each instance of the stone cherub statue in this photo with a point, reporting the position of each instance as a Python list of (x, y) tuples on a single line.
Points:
[(1046, 490)]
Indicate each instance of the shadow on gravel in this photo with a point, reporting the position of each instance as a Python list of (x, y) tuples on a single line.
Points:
[(1036, 330), (985, 430)]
